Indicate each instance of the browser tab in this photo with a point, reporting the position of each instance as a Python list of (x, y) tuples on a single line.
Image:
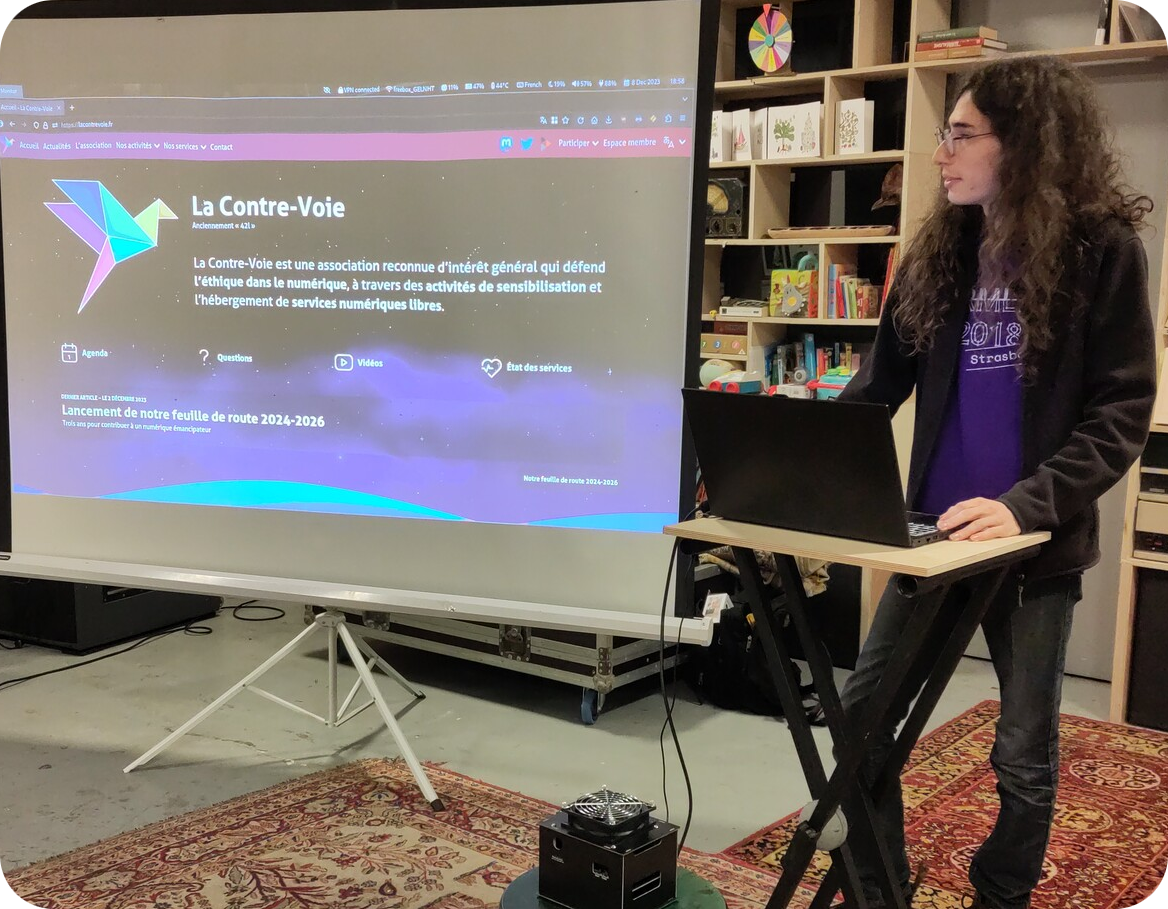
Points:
[(29, 106)]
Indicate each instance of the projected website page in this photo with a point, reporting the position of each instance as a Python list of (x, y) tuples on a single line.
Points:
[(415, 286)]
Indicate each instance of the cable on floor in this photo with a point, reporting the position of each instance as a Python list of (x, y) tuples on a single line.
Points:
[(255, 604), (189, 628), (669, 699)]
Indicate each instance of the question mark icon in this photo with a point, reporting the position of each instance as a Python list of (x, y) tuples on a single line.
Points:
[(205, 353)]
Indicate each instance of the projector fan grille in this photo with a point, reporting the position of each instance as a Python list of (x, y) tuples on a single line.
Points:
[(608, 812)]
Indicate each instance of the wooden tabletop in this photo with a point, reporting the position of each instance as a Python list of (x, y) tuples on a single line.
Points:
[(923, 561)]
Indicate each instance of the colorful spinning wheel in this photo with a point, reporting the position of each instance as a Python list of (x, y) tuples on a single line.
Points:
[(770, 39)]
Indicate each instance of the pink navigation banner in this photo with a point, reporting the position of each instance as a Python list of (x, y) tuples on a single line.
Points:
[(663, 142)]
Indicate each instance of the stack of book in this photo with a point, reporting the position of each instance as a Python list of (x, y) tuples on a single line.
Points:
[(850, 296), (952, 43)]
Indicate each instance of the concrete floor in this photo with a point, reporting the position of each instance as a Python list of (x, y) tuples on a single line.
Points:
[(66, 737)]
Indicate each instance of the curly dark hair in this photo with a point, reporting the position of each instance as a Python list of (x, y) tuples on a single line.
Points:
[(1059, 177)]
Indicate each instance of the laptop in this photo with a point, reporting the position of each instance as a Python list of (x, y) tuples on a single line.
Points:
[(825, 467)]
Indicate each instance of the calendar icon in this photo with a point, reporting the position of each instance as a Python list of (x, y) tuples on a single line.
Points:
[(68, 353)]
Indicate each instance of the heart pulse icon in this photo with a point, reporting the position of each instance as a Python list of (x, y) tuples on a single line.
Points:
[(492, 367)]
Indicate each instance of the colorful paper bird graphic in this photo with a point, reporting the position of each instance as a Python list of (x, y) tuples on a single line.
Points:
[(106, 227)]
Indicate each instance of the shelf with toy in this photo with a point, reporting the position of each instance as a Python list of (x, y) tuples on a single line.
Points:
[(791, 354), (775, 278)]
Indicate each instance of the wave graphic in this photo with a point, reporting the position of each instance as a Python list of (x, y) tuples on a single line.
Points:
[(283, 495)]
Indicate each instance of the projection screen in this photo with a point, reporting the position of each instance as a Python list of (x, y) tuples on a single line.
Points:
[(394, 298)]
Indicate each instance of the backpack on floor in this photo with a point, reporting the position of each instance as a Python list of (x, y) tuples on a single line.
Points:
[(729, 671), (732, 672)]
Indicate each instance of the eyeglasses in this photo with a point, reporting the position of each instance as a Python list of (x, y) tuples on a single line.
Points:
[(945, 137)]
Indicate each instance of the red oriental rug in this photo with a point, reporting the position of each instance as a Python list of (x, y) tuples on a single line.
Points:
[(1109, 846), (355, 837), (362, 837)]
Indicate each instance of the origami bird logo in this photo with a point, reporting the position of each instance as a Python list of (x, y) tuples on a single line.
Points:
[(106, 227)]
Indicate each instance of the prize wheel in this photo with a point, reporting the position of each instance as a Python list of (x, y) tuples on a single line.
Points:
[(770, 39)]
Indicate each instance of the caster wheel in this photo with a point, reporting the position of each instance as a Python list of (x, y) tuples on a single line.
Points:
[(589, 706)]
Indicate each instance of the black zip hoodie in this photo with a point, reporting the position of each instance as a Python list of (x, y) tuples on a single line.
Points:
[(1085, 411)]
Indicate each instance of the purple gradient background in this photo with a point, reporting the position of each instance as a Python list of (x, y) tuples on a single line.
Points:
[(429, 428)]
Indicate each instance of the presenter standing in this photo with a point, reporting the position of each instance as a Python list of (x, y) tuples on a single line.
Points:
[(1020, 318)]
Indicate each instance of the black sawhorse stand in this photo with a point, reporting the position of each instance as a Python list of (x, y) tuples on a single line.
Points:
[(850, 745), (926, 577)]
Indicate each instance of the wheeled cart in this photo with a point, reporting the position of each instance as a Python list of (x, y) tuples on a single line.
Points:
[(598, 663)]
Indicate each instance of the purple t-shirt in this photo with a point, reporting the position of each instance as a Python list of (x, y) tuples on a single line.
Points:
[(979, 448)]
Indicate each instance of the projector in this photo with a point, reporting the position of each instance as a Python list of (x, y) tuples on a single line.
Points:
[(606, 851)]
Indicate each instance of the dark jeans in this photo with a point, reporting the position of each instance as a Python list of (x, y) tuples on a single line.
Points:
[(1027, 633)]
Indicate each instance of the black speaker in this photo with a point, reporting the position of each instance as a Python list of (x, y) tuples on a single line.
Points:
[(82, 617), (1147, 695), (581, 866)]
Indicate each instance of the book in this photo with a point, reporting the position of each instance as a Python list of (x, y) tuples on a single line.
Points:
[(868, 301), (837, 303), (795, 293), (959, 52), (970, 31), (853, 126), (956, 53), (853, 292), (962, 42), (829, 310), (810, 356), (846, 363), (1104, 22)]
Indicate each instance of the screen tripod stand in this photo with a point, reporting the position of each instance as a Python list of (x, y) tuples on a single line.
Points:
[(333, 623)]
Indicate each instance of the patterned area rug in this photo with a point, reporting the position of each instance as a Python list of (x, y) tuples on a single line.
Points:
[(356, 837), (362, 837), (1109, 847)]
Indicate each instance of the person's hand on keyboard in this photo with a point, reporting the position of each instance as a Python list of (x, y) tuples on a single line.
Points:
[(979, 519)]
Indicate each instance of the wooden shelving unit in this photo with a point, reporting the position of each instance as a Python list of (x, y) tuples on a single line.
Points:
[(1130, 561), (769, 203)]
